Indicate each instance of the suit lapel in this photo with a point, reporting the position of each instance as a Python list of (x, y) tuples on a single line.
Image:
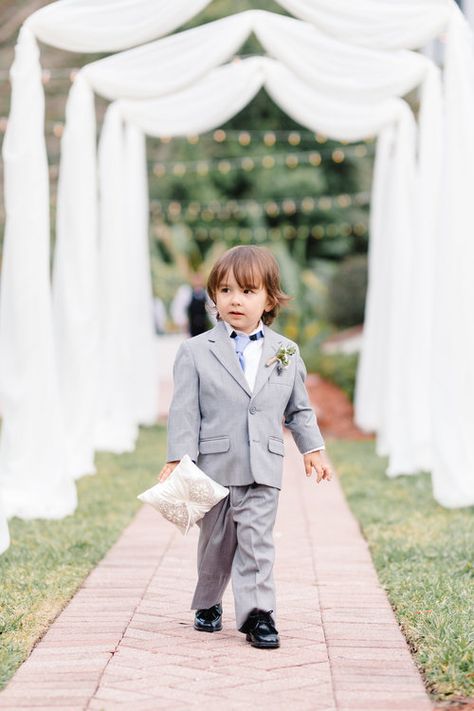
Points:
[(271, 342), (223, 349)]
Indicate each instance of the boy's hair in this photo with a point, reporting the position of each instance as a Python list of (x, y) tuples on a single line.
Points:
[(253, 268)]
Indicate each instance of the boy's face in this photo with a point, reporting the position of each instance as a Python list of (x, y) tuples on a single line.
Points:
[(242, 308)]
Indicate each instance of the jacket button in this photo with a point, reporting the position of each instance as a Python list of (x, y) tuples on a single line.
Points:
[(253, 410)]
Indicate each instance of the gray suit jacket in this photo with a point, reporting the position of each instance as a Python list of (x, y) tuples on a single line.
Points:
[(234, 435)]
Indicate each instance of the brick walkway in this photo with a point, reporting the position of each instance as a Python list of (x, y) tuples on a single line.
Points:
[(126, 639)]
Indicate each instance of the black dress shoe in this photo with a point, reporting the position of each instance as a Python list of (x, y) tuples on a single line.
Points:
[(260, 630), (209, 620)]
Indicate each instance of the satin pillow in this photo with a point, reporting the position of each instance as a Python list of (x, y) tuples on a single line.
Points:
[(185, 496)]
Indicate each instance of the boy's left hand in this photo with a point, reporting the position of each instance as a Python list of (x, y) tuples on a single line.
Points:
[(317, 460)]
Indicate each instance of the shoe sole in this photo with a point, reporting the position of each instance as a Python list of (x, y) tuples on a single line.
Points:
[(263, 645), (204, 629)]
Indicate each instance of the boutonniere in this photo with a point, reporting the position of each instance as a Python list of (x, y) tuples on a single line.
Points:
[(282, 357)]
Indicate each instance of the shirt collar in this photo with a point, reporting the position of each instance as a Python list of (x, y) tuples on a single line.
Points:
[(230, 328)]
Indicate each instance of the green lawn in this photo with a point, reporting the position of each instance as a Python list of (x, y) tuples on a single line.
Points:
[(48, 560), (424, 558), (423, 554)]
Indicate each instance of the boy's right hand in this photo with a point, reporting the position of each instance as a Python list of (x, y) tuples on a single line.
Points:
[(167, 470)]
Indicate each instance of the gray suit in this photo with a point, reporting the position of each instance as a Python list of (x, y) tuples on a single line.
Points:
[(236, 437)]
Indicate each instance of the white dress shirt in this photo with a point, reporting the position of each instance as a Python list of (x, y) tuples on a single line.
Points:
[(252, 356)]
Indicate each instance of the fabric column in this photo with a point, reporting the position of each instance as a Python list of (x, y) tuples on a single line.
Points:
[(116, 428), (75, 277), (34, 478), (396, 432), (373, 357), (143, 376), (453, 351), (425, 244)]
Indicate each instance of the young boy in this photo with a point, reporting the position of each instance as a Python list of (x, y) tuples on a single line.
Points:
[(234, 385)]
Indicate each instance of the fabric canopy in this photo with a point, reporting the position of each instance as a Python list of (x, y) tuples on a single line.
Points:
[(128, 74)]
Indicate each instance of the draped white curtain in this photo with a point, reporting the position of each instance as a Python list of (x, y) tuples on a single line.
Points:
[(328, 73), (109, 25), (34, 475), (382, 24)]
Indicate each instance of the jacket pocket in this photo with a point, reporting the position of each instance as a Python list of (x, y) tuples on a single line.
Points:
[(214, 445), (276, 445)]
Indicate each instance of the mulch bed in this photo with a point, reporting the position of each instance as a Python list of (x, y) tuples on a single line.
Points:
[(333, 409)]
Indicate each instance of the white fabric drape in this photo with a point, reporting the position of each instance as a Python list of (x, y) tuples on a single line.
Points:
[(409, 369), (108, 26), (76, 277), (144, 370), (116, 429), (169, 64), (34, 477), (453, 347), (214, 100), (341, 69), (382, 24)]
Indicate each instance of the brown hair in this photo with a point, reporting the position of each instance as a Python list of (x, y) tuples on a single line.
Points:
[(253, 268)]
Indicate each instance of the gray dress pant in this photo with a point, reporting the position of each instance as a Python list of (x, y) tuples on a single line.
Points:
[(236, 540)]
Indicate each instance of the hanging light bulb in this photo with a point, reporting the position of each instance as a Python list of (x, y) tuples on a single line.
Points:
[(317, 231), (343, 200), (268, 162), (291, 161), (338, 156), (307, 204), (224, 166), (269, 138), (245, 138), (247, 164), (219, 135)]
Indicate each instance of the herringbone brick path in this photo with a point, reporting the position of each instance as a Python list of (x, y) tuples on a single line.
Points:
[(126, 639)]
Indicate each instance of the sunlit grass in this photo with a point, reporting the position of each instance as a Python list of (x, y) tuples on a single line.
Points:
[(48, 560), (424, 558)]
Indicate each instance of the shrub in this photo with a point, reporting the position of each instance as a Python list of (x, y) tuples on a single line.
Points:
[(347, 291)]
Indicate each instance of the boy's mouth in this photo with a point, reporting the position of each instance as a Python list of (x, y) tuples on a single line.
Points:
[(235, 313)]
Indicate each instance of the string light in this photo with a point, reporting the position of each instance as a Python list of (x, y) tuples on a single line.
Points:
[(269, 139), (249, 163), (262, 234), (219, 135), (225, 210)]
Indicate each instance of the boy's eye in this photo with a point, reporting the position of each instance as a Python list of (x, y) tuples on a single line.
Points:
[(225, 289), (248, 291)]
